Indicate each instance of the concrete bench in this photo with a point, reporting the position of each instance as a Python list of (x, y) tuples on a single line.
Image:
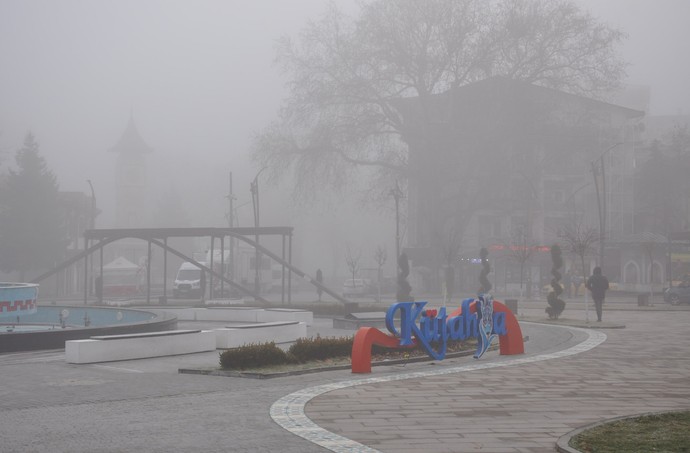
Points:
[(285, 314), (109, 348), (278, 332)]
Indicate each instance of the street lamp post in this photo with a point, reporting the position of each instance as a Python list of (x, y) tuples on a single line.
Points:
[(231, 224), (254, 188), (92, 225), (572, 197), (397, 195), (601, 199), (93, 205)]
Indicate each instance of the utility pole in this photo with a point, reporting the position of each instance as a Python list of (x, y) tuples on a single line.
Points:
[(231, 224), (601, 199), (92, 225), (397, 195), (602, 214), (254, 188), (93, 205)]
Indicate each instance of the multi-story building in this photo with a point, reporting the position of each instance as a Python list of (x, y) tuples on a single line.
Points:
[(505, 164)]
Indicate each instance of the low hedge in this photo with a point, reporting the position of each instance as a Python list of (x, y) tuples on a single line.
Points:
[(305, 350), (267, 354), (253, 356)]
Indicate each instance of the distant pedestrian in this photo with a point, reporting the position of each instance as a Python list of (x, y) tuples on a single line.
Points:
[(598, 284)]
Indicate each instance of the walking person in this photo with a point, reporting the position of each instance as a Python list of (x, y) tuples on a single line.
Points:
[(598, 284)]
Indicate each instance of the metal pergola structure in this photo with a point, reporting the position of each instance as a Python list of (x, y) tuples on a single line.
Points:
[(160, 236)]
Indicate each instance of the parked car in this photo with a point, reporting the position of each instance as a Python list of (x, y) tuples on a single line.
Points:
[(677, 294), (354, 287)]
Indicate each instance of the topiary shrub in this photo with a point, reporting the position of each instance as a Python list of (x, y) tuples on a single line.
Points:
[(556, 304), (253, 356), (404, 288), (318, 348)]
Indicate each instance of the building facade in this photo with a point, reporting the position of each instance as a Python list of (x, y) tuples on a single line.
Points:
[(506, 165)]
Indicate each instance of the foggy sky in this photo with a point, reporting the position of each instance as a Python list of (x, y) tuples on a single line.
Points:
[(198, 78)]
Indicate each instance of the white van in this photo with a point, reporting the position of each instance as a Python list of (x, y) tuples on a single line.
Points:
[(188, 281)]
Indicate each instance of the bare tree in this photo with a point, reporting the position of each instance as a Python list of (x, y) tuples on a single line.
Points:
[(580, 240), (521, 249), (380, 257), (346, 76), (353, 260), (651, 244)]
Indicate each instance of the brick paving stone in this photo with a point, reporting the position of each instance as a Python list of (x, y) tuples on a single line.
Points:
[(527, 407)]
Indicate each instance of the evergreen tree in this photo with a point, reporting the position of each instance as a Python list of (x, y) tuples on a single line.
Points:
[(32, 233)]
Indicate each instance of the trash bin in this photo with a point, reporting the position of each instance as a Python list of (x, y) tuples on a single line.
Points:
[(643, 300), (512, 305)]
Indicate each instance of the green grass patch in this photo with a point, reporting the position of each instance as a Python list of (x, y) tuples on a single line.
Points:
[(659, 433)]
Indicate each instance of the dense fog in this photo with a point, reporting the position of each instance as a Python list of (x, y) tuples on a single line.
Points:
[(198, 80)]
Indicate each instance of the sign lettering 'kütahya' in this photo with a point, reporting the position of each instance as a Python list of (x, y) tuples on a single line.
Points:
[(436, 327), (483, 318)]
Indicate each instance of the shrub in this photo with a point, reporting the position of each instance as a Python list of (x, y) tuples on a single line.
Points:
[(305, 350), (253, 356), (318, 348)]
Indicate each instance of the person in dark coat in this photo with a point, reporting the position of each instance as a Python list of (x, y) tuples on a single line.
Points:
[(598, 284)]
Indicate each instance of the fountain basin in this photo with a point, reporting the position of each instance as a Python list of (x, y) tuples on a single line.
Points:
[(44, 330), (24, 326), (17, 299)]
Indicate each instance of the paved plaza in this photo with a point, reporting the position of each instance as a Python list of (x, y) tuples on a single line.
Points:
[(567, 378)]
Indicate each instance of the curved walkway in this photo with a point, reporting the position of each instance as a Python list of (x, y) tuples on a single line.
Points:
[(288, 412), (642, 368)]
